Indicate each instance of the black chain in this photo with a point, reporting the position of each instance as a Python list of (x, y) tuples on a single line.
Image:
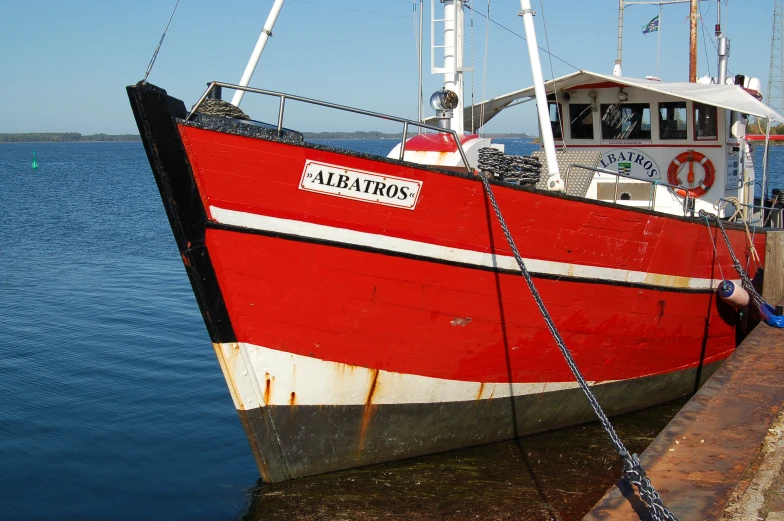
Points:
[(521, 170), (745, 281), (216, 107), (632, 468)]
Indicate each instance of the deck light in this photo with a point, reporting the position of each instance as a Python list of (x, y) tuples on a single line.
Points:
[(622, 96), (444, 99)]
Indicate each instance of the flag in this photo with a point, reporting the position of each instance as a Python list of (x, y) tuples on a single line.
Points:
[(652, 26)]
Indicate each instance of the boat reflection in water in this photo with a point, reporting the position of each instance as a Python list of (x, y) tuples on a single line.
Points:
[(555, 475)]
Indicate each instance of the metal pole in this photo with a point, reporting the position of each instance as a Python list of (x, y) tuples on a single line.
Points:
[(421, 103), (453, 58), (554, 181), (403, 141), (693, 42), (619, 58), (266, 32), (765, 159), (658, 44)]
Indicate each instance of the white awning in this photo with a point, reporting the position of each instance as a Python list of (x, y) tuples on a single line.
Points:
[(732, 97)]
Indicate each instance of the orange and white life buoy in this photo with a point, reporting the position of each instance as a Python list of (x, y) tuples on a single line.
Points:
[(691, 157)]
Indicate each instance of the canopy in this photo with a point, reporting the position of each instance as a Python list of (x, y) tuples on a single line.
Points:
[(732, 97)]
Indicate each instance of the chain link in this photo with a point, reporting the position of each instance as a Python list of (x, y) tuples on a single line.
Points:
[(632, 468), (522, 170), (745, 281)]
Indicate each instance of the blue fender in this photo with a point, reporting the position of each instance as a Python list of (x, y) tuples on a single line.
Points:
[(768, 314)]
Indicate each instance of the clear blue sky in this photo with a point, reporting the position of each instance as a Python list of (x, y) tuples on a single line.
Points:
[(64, 65)]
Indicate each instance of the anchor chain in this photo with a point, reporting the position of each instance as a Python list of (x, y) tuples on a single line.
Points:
[(216, 107), (522, 170), (632, 468), (745, 281)]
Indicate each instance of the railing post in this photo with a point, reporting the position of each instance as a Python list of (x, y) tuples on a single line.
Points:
[(655, 188), (462, 152), (280, 114), (403, 141), (617, 183)]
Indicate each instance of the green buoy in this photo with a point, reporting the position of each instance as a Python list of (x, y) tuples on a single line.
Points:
[(35, 161)]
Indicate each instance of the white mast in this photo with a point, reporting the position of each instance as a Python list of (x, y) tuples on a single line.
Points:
[(266, 32), (554, 181), (453, 57)]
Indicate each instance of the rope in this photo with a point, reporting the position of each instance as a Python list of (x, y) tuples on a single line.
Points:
[(155, 54), (715, 251), (632, 468), (552, 75), (484, 69), (738, 208), (473, 74)]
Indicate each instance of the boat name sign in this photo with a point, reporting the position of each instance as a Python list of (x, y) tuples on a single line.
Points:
[(631, 163), (359, 185)]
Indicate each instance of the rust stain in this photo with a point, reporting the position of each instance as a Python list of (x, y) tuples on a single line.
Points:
[(267, 390), (481, 389), (293, 399), (367, 414), (185, 260)]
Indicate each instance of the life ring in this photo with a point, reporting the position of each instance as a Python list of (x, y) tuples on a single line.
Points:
[(691, 156)]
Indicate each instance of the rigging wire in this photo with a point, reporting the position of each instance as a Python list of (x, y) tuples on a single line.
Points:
[(523, 38), (349, 9), (155, 54), (552, 75), (473, 74), (484, 70), (704, 43)]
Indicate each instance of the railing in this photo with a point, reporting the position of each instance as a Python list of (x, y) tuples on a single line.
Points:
[(283, 97), (768, 216), (655, 183)]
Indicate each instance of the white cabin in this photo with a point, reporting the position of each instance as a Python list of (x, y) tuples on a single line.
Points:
[(690, 135)]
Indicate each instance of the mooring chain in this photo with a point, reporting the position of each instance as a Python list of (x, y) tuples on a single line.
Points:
[(509, 169), (745, 281), (632, 468)]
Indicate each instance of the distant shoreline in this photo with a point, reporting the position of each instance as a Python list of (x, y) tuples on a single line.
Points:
[(67, 137), (75, 137)]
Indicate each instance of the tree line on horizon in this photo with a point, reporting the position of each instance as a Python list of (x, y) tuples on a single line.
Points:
[(64, 137)]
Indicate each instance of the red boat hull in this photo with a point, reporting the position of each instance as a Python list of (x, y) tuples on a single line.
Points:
[(359, 326)]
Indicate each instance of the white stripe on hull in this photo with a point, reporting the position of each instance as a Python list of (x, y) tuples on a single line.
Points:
[(445, 253), (302, 380)]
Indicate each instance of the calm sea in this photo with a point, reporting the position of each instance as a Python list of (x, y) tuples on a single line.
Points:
[(112, 403)]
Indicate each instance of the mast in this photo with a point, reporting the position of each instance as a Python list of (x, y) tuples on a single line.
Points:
[(453, 58), (266, 32), (554, 181), (617, 68), (693, 42)]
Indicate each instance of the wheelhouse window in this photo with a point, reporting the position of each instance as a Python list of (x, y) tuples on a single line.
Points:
[(705, 122), (581, 121), (672, 120), (555, 119), (626, 121)]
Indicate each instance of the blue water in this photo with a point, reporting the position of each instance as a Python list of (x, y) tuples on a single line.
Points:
[(112, 403)]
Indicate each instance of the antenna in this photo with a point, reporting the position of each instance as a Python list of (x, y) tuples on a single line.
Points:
[(776, 71)]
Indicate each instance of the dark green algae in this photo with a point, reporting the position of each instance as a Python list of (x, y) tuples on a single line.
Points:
[(553, 476)]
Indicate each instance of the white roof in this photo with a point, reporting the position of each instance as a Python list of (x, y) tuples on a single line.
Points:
[(732, 97)]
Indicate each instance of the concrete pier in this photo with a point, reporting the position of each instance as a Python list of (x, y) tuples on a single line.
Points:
[(717, 458)]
